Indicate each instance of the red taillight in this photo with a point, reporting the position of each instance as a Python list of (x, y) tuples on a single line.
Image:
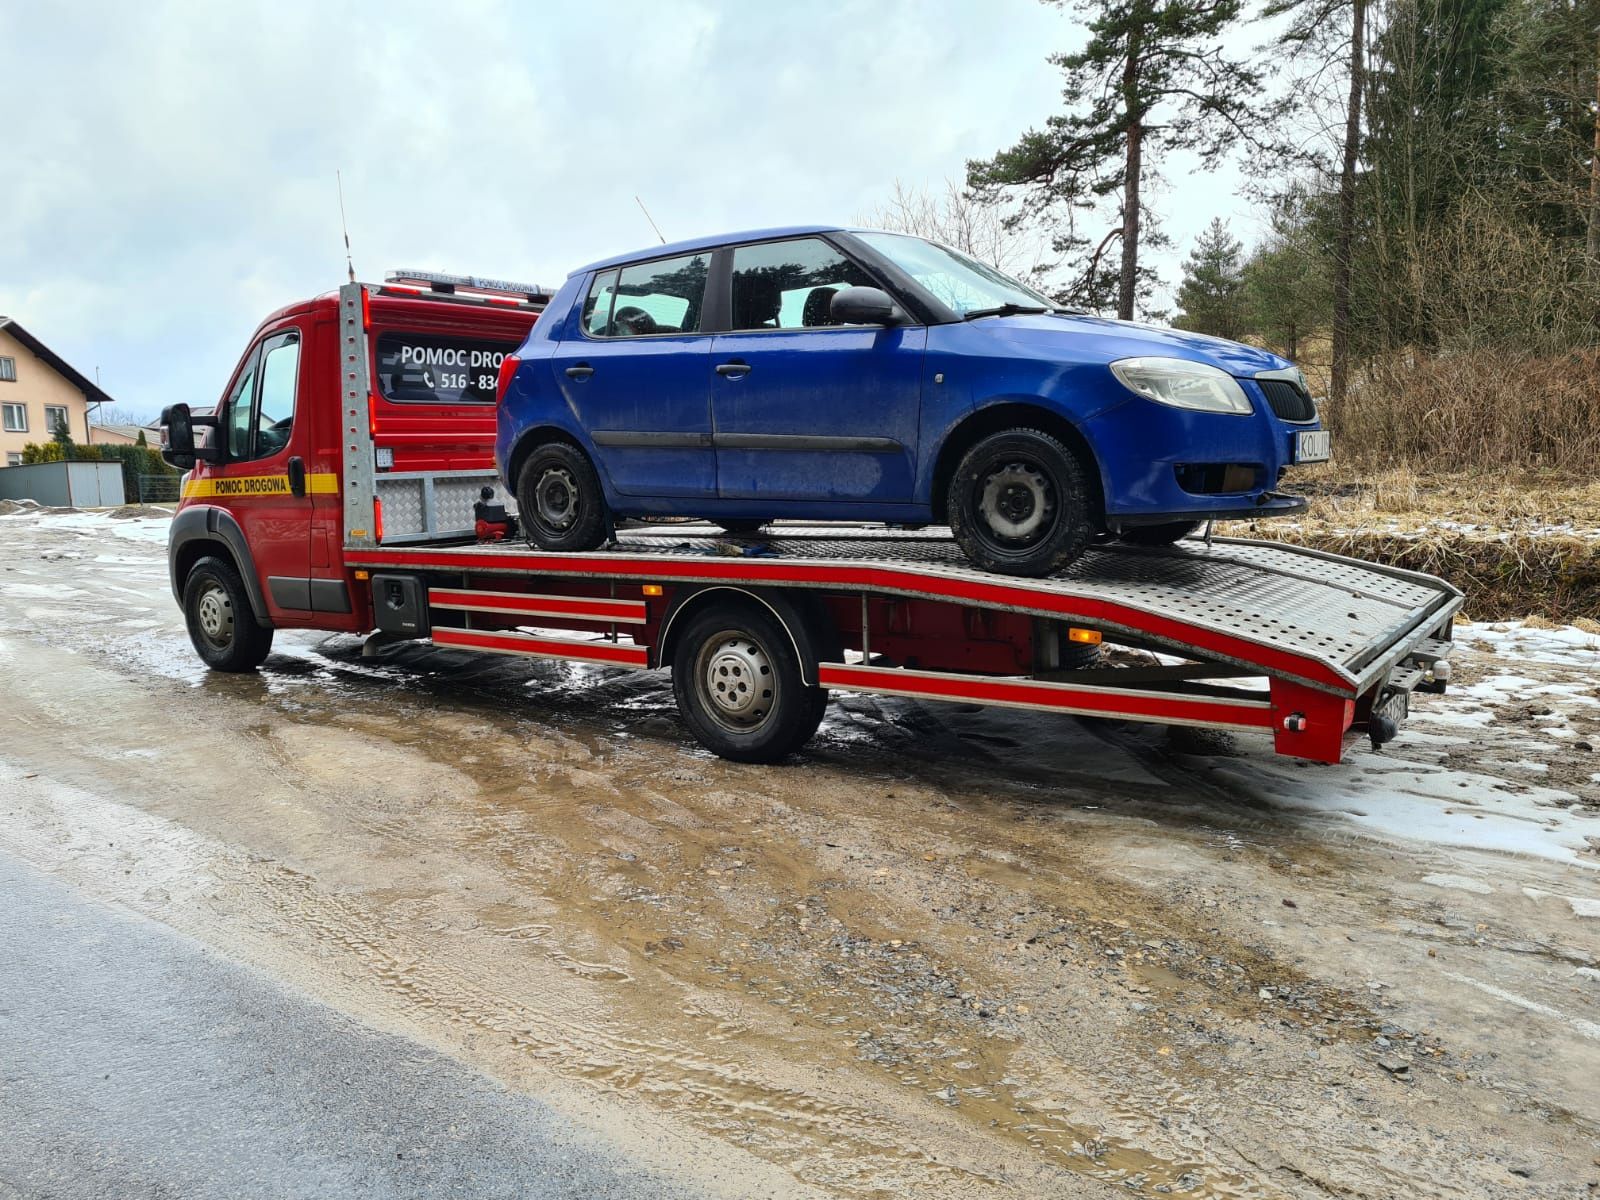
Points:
[(508, 368), (377, 519)]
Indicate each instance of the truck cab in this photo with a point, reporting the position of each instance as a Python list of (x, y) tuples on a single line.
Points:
[(265, 504)]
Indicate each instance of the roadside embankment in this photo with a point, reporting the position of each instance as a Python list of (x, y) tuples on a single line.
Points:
[(1519, 546)]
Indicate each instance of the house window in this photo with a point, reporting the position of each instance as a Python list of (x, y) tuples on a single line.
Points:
[(54, 415), (8, 369), (13, 458), (15, 418)]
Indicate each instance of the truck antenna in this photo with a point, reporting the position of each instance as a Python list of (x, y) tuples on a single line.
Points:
[(344, 227), (649, 218)]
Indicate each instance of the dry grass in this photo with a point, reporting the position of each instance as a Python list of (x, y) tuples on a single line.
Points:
[(1478, 410), (1519, 544)]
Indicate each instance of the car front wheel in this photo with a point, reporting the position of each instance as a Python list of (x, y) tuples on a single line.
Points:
[(1019, 504)]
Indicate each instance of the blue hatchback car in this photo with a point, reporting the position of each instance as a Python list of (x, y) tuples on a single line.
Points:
[(853, 374)]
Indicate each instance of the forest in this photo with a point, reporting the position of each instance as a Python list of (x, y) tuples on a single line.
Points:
[(1426, 176)]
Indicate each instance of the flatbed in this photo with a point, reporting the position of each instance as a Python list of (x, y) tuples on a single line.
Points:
[(374, 505)]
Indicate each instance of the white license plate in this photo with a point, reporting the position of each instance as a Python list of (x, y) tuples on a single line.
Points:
[(1311, 446)]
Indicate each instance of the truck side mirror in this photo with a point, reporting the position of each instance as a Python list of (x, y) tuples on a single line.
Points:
[(177, 438), (865, 306)]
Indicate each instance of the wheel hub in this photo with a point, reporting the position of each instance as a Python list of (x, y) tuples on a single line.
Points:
[(557, 496), (215, 611), (1016, 502), (738, 679)]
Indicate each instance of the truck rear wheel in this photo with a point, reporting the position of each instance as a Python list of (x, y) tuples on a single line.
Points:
[(739, 688), (222, 625), (559, 500), (1019, 504)]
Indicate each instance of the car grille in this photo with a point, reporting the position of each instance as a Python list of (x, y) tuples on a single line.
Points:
[(1288, 399)]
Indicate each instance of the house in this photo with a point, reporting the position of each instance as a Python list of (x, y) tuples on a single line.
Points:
[(37, 388), (125, 435)]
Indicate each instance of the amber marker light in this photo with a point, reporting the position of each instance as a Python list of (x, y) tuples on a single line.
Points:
[(1086, 637), (652, 589)]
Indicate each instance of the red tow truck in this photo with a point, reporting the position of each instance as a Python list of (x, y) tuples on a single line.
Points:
[(348, 485)]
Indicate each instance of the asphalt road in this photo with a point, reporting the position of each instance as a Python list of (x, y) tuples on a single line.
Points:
[(136, 1063)]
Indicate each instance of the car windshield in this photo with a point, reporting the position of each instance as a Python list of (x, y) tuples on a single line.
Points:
[(963, 283)]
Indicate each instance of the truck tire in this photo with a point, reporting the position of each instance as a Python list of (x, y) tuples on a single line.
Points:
[(222, 625), (1019, 504), (1158, 535), (559, 501), (739, 688)]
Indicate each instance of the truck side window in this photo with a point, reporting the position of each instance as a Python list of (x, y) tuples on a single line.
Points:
[(656, 297), (789, 285), (241, 406), (280, 373)]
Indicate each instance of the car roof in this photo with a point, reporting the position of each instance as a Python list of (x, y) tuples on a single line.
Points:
[(708, 243)]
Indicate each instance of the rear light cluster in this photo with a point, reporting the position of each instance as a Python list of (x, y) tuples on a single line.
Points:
[(508, 368)]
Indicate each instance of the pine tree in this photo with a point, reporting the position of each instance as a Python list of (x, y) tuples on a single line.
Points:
[(1152, 79), (61, 435), (1211, 298)]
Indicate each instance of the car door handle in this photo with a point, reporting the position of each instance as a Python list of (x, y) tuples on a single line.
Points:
[(734, 369), (297, 476), (581, 371)]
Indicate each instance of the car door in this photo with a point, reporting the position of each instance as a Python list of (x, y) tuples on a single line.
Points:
[(635, 372), (266, 452), (805, 409)]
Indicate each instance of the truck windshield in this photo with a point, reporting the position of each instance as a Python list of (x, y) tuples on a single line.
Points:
[(963, 283)]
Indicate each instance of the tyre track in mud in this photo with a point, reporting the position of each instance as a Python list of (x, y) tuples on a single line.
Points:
[(529, 869)]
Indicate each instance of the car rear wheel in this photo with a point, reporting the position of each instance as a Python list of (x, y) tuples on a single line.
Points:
[(1019, 504), (559, 500), (1158, 535), (739, 688), (222, 625)]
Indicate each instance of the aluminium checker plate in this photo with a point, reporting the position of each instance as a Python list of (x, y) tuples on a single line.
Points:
[(1355, 618)]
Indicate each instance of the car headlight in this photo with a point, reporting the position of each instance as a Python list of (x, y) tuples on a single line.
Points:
[(1182, 384)]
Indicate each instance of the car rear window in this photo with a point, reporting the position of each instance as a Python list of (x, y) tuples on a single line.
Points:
[(426, 368)]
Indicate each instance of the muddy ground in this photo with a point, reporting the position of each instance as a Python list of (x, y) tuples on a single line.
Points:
[(946, 952)]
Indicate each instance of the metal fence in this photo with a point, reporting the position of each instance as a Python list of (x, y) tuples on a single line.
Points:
[(159, 489)]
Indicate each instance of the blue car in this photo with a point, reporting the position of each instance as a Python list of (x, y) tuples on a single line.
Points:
[(854, 374)]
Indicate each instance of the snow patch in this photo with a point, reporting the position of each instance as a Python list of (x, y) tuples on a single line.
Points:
[(1459, 883)]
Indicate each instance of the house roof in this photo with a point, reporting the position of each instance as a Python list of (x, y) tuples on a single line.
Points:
[(62, 367)]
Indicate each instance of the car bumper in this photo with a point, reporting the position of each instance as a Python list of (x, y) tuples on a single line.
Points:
[(1161, 464)]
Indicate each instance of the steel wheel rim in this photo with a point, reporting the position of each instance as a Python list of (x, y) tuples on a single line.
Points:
[(214, 612), (1017, 503), (556, 498), (737, 677)]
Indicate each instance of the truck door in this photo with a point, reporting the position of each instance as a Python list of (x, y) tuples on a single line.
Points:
[(264, 482)]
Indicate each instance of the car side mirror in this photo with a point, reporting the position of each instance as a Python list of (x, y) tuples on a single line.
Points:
[(865, 306), (178, 448)]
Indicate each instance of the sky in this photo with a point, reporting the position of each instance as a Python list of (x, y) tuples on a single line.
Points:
[(171, 164)]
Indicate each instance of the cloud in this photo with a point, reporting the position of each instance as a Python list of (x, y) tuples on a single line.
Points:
[(172, 163)]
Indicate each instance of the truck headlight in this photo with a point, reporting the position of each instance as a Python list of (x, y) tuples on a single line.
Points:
[(1182, 384)]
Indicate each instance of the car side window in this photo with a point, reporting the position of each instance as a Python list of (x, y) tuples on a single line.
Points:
[(790, 285), (597, 307), (665, 296)]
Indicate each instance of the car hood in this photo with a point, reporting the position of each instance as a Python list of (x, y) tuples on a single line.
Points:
[(1080, 338)]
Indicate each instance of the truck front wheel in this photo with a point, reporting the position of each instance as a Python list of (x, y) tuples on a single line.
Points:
[(222, 625), (739, 687), (559, 500)]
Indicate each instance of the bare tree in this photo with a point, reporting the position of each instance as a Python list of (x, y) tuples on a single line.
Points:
[(960, 220)]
